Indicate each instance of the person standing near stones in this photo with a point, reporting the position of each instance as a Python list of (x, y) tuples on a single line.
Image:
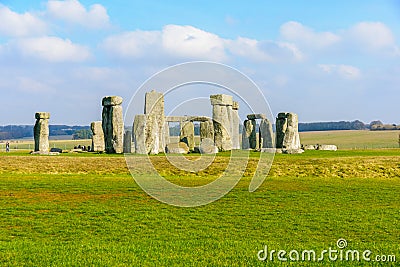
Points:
[(7, 146)]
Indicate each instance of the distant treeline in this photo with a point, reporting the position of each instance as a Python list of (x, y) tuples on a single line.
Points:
[(332, 126), (26, 131)]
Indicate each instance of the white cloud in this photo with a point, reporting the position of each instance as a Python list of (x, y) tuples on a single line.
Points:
[(343, 71), (188, 41), (250, 48), (133, 44), (372, 36), (298, 33), (191, 43), (74, 12), (16, 25), (52, 49)]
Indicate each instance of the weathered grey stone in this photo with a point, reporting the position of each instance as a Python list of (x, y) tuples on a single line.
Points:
[(176, 118), (287, 133), (97, 136), (256, 116), (308, 147), (154, 104), (177, 148), (128, 142), (206, 130), (327, 147), (113, 124), (235, 126), (221, 99), (152, 135), (222, 119), (266, 134), (207, 146), (41, 132), (292, 151), (246, 131), (145, 134), (112, 101), (249, 137), (187, 134)]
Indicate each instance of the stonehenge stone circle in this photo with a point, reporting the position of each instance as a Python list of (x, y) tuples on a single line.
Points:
[(222, 119), (113, 124), (97, 136), (145, 134), (41, 132), (287, 133), (154, 104)]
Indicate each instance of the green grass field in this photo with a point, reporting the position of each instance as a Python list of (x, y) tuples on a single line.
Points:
[(86, 210), (353, 139)]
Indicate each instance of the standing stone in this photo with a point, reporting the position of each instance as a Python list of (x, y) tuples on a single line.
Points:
[(187, 134), (287, 131), (249, 137), (206, 130), (41, 132), (128, 142), (266, 134), (235, 126), (145, 134), (222, 119), (97, 136), (154, 104), (113, 124)]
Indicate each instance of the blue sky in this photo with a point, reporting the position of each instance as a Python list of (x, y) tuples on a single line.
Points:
[(325, 60)]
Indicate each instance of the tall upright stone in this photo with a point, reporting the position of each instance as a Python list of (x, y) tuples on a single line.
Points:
[(145, 134), (249, 137), (41, 132), (222, 119), (287, 131), (113, 124), (206, 130), (128, 142), (235, 126), (266, 134), (154, 104), (97, 136), (187, 134)]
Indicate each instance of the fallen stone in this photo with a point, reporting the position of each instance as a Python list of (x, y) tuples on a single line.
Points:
[(55, 149), (308, 147), (177, 148), (327, 147), (207, 147)]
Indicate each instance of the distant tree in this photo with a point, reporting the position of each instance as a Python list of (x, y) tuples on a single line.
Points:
[(372, 123), (82, 134)]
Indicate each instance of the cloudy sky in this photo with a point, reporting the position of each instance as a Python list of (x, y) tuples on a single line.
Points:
[(325, 60)]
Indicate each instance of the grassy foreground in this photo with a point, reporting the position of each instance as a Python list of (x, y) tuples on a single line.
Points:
[(85, 210)]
